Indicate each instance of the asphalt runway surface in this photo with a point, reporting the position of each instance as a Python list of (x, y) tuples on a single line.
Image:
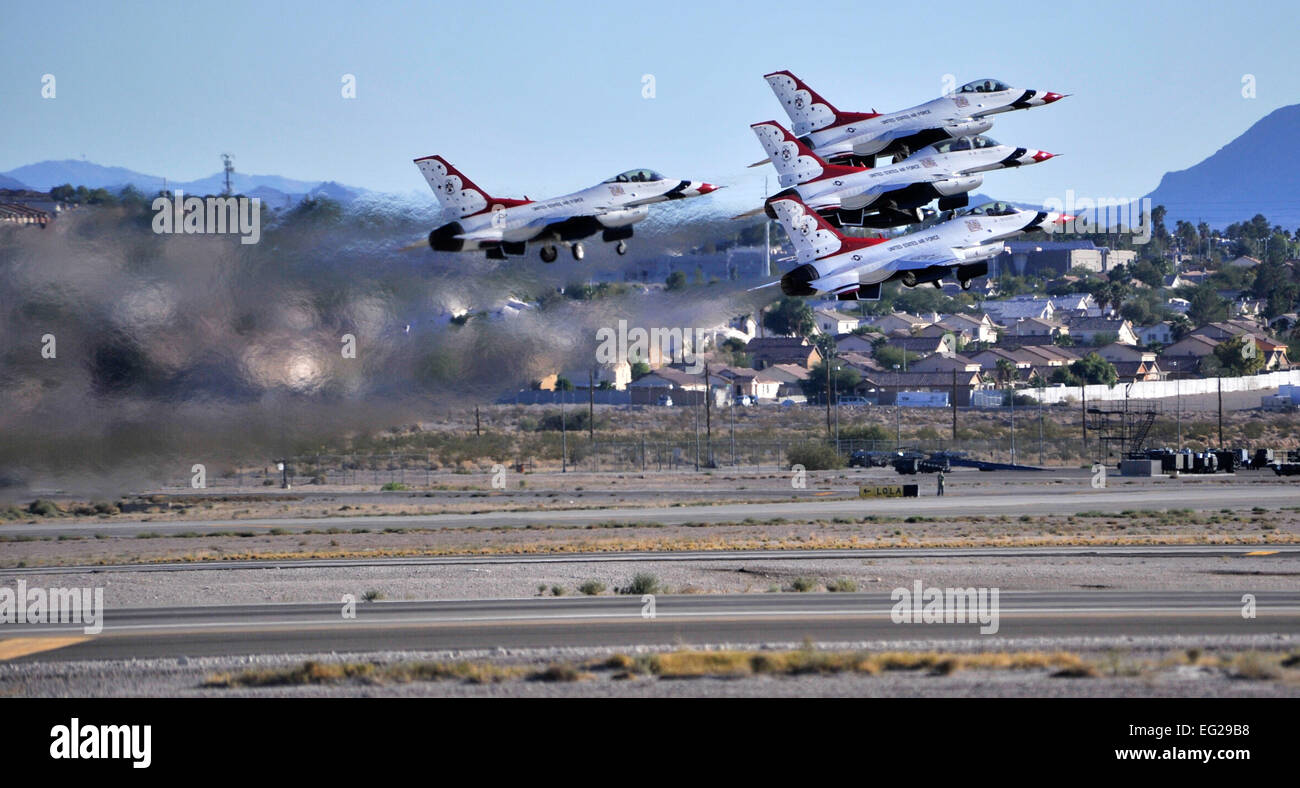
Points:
[(1034, 499), (687, 556), (621, 621)]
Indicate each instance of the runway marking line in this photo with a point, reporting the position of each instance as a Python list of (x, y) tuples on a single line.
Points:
[(1260, 552), (13, 648)]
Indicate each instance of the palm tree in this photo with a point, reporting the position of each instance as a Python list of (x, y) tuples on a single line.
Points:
[(1006, 370)]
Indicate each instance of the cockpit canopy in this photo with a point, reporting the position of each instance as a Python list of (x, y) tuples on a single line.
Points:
[(636, 176), (992, 209), (977, 142), (984, 86)]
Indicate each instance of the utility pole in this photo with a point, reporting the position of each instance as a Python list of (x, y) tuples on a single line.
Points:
[(827, 362), (1220, 412), (954, 407), (564, 438), (1178, 410), (708, 419), (1083, 412), (591, 406), (478, 433)]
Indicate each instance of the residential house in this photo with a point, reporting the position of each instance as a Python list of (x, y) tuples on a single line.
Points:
[(947, 343), (1033, 331), (1161, 333), (766, 351), (1009, 310), (1182, 359), (856, 343), (789, 377), (979, 327), (1131, 363), (898, 321), (1087, 330), (833, 322), (945, 362)]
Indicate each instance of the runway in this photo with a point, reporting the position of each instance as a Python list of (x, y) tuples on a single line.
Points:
[(621, 621), (685, 556), (1160, 494)]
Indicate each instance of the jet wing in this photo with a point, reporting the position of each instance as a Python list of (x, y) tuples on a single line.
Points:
[(908, 262), (498, 233)]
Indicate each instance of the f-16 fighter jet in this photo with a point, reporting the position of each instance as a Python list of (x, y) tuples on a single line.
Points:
[(858, 137), (890, 195), (504, 227), (854, 269)]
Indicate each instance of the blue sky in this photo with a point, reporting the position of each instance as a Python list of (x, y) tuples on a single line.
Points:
[(540, 98)]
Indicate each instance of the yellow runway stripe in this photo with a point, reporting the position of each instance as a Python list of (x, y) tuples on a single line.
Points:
[(21, 647), (1261, 552)]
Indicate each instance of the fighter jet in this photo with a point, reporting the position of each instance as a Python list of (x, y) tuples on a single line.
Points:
[(854, 269), (891, 195), (504, 227), (858, 137)]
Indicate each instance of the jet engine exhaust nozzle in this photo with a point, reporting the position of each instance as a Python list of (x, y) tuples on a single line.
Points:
[(796, 281)]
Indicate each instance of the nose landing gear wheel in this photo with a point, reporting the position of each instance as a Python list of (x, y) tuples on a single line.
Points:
[(549, 253), (909, 279), (965, 284), (578, 251), (621, 248)]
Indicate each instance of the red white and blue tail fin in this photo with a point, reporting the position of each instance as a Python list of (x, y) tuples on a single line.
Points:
[(808, 111), (457, 193)]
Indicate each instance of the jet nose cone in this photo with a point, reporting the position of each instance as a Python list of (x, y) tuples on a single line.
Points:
[(1050, 97), (1042, 155), (705, 188)]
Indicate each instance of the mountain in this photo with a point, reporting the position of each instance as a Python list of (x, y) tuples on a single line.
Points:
[(1255, 173), (274, 189), (11, 183)]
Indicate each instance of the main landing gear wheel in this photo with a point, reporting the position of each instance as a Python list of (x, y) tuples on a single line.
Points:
[(909, 278), (549, 253), (965, 284), (578, 251), (621, 248)]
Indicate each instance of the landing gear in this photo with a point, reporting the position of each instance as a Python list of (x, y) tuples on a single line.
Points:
[(965, 283), (938, 284), (578, 251), (549, 253), (621, 248), (908, 278)]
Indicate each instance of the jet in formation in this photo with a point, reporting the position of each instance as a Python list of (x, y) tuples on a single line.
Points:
[(859, 137), (853, 269), (890, 195), (503, 227)]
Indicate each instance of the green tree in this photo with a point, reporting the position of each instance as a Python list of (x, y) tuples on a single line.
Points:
[(676, 281), (843, 380), (1238, 356), (1093, 369), (791, 316), (1206, 306)]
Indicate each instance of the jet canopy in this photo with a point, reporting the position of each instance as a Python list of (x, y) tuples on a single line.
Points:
[(992, 209), (978, 142), (636, 176), (984, 86)]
